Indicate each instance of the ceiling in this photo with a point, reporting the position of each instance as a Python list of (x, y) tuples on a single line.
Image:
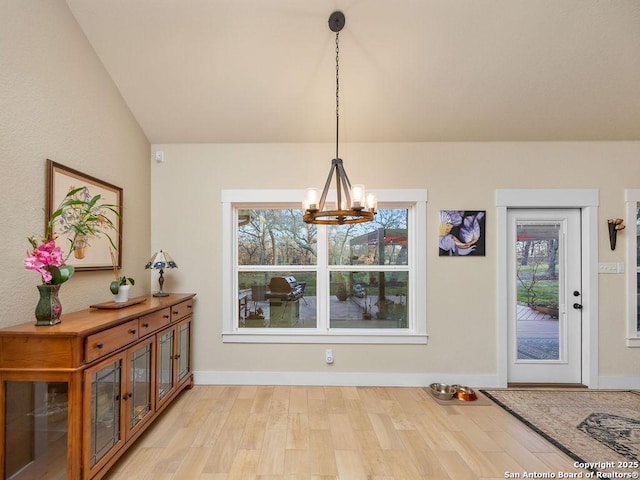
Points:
[(223, 71)]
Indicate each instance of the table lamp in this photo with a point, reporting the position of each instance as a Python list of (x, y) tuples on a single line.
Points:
[(159, 261)]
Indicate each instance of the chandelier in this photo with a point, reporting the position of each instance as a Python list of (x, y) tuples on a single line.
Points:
[(353, 204)]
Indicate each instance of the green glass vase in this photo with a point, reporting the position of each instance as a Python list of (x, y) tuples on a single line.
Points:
[(48, 308)]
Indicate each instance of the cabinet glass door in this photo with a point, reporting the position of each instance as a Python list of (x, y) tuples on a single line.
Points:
[(36, 422), (106, 385), (139, 389), (184, 340), (165, 363)]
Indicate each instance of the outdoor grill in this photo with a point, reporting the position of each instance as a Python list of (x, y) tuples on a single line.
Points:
[(285, 289)]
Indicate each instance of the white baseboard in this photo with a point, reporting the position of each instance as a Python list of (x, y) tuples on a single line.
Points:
[(619, 383), (342, 379), (376, 379)]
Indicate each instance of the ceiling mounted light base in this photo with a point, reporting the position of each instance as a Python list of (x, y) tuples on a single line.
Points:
[(336, 21)]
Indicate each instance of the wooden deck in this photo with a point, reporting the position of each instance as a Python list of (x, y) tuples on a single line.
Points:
[(533, 324), (347, 314)]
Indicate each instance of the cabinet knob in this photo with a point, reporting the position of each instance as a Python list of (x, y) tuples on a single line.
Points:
[(175, 312), (99, 345), (132, 331), (165, 316), (189, 306), (145, 325), (177, 356)]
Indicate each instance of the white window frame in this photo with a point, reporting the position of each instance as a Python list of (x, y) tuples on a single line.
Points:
[(632, 198), (416, 333)]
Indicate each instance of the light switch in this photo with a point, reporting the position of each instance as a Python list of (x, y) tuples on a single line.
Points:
[(611, 267)]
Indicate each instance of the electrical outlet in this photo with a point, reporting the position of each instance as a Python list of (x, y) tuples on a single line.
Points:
[(328, 355)]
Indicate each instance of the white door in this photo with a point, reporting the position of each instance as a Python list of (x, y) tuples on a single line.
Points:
[(545, 300)]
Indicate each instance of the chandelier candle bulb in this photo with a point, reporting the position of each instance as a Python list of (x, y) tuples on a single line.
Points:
[(372, 202), (311, 200), (357, 196)]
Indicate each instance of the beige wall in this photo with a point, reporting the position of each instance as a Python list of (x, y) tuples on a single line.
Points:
[(58, 102), (461, 294)]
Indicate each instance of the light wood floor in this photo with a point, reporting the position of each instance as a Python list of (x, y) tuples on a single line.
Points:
[(346, 433)]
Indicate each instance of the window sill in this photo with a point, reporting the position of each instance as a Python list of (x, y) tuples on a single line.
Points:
[(633, 342), (384, 337)]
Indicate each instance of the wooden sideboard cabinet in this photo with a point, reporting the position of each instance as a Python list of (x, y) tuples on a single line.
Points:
[(74, 396)]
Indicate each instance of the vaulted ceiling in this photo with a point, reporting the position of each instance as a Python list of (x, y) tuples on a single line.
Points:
[(209, 71)]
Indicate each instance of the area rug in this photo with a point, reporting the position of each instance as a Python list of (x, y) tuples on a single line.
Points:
[(598, 429)]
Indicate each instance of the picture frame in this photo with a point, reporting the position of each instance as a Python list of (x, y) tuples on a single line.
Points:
[(461, 233), (95, 252)]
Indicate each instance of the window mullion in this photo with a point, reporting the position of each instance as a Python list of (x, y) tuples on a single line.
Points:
[(322, 280)]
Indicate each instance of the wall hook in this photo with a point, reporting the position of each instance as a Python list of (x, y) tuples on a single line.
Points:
[(614, 227)]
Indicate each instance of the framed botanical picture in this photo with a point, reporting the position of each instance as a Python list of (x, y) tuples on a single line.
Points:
[(92, 250), (462, 233)]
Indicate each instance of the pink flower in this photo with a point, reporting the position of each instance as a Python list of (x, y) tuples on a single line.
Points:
[(42, 257), (33, 263), (49, 253)]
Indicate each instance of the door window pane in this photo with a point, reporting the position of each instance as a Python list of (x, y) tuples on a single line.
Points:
[(537, 326)]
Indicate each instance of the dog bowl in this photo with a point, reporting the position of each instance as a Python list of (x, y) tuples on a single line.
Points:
[(442, 391), (466, 394)]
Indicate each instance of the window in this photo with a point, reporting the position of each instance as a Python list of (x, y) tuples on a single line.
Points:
[(633, 261), (287, 281)]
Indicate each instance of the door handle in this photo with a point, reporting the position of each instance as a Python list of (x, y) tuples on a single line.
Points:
[(577, 306)]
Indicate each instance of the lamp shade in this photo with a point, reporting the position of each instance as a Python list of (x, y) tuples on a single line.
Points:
[(161, 260)]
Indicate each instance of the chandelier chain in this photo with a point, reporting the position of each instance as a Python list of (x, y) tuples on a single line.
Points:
[(337, 89)]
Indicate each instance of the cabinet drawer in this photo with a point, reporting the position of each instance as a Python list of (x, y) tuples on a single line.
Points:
[(102, 343), (181, 310), (154, 321)]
